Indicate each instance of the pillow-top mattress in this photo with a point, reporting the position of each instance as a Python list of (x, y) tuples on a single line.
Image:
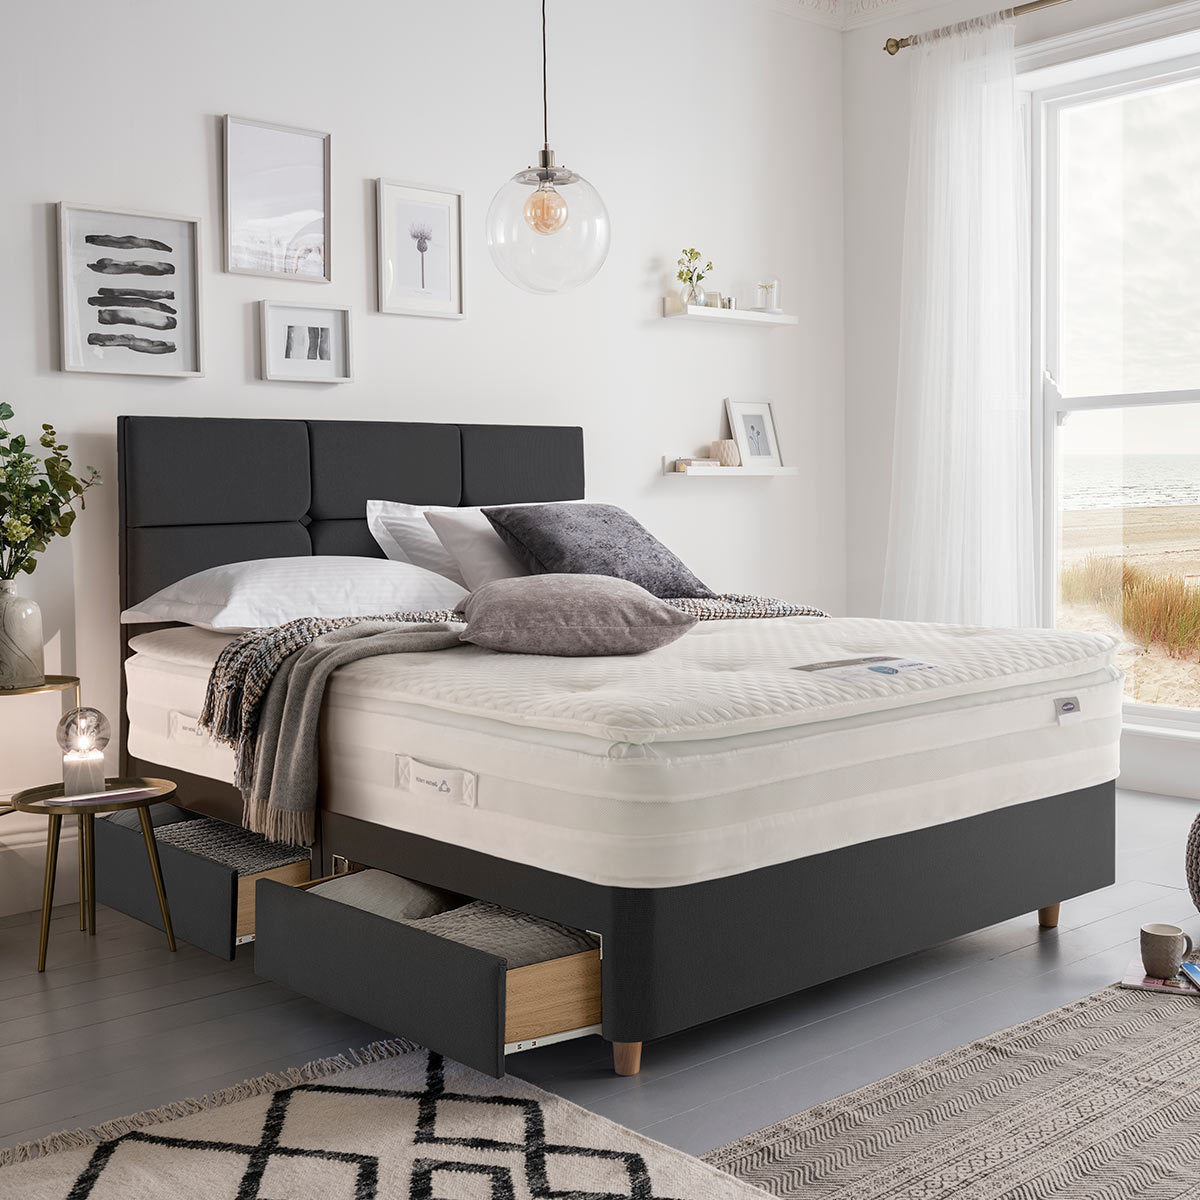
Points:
[(743, 744)]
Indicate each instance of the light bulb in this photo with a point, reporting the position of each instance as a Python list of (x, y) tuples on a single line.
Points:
[(545, 210)]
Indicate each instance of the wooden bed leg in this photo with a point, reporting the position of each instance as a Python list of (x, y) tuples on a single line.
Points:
[(1048, 916), (627, 1057)]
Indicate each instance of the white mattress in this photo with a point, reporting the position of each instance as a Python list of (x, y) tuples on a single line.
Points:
[(706, 758)]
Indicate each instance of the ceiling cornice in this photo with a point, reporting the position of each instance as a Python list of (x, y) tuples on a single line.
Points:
[(849, 14)]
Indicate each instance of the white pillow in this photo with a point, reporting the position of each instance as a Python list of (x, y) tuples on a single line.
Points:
[(404, 535), (271, 591), (478, 549)]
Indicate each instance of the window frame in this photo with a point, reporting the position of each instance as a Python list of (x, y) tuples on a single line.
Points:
[(1050, 408)]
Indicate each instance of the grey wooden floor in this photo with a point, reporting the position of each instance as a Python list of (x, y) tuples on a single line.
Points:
[(117, 1024)]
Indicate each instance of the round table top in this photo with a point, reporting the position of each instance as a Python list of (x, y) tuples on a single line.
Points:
[(53, 683), (34, 800)]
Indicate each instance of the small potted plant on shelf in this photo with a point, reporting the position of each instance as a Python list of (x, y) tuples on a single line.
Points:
[(690, 274), (38, 499)]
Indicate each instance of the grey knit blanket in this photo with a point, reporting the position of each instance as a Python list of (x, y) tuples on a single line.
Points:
[(266, 688)]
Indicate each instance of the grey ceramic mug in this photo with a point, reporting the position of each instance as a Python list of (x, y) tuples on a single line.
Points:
[(1164, 947)]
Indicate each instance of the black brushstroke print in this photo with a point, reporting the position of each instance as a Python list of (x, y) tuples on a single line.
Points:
[(130, 341), (290, 346), (148, 293), (314, 341), (130, 301), (129, 316), (130, 266), (126, 241), (323, 352)]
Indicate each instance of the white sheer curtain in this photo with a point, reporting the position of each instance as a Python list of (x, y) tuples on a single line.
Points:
[(961, 542)]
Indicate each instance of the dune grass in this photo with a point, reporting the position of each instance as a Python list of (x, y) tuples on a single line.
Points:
[(1151, 608)]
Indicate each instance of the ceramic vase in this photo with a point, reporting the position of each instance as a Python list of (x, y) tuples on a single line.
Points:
[(21, 661)]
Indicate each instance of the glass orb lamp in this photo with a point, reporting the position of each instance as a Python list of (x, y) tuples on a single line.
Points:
[(547, 228), (82, 735)]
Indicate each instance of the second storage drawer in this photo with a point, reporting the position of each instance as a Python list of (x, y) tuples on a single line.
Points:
[(414, 979)]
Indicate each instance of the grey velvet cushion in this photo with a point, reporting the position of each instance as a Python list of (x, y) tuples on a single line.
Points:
[(571, 616), (390, 896), (593, 539)]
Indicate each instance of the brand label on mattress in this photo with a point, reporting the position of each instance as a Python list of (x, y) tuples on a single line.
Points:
[(1066, 709), (438, 783), (186, 728), (871, 664)]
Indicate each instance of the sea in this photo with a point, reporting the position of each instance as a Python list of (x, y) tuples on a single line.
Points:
[(1129, 480)]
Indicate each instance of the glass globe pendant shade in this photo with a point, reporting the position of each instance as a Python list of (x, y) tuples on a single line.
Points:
[(548, 230)]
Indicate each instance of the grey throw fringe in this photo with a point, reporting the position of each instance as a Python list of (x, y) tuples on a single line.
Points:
[(321, 1068)]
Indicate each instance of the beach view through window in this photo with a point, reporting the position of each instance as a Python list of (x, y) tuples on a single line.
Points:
[(1127, 328)]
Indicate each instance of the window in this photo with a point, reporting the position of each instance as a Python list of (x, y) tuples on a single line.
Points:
[(1117, 214)]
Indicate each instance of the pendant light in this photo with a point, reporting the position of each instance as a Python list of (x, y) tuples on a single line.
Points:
[(547, 227)]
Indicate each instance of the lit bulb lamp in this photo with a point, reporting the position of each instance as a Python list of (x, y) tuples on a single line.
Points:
[(547, 228), (82, 734)]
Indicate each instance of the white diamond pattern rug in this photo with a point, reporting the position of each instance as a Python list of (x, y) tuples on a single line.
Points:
[(407, 1127)]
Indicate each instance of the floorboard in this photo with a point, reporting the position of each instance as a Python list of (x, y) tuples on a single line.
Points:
[(117, 1024)]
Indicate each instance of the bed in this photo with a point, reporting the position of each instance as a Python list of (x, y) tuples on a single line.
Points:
[(734, 828)]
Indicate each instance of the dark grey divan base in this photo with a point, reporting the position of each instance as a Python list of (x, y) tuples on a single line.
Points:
[(677, 957)]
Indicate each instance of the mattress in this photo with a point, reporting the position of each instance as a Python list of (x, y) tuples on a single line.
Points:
[(742, 744)]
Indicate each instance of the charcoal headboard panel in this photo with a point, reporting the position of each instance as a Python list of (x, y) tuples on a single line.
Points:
[(197, 492)]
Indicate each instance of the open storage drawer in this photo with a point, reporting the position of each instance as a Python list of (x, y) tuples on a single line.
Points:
[(209, 871), (453, 998)]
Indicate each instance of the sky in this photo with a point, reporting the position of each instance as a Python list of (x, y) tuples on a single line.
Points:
[(1130, 221)]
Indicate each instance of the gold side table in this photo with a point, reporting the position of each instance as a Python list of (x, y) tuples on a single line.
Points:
[(56, 683), (41, 800)]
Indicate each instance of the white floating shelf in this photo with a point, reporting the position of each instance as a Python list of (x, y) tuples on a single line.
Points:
[(733, 472), (725, 316)]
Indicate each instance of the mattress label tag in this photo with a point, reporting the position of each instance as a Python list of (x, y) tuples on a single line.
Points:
[(1066, 709), (442, 783), (878, 664), (183, 727)]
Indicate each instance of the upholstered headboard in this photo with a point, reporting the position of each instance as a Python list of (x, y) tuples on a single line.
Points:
[(198, 492)]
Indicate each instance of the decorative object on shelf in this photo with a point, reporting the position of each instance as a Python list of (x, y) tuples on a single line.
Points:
[(38, 498), (726, 452), (713, 299), (129, 292), (729, 303), (752, 424), (305, 343), (767, 293), (690, 274), (547, 228), (276, 200), (419, 236), (82, 735)]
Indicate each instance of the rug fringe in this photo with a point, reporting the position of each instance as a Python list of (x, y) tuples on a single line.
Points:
[(79, 1139)]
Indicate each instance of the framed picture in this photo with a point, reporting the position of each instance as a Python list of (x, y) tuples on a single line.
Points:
[(305, 343), (129, 291), (420, 250), (276, 200), (752, 424)]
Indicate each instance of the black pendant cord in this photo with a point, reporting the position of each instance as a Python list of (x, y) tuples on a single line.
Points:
[(545, 102)]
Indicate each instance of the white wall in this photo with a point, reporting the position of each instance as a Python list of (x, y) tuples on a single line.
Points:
[(876, 115), (702, 122)]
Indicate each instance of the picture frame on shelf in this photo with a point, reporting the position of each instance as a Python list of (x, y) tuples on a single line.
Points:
[(419, 238), (277, 200), (129, 292), (305, 343), (752, 424)]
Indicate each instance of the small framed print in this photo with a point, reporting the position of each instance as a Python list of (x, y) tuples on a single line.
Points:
[(129, 291), (420, 250), (305, 343), (276, 200), (752, 424)]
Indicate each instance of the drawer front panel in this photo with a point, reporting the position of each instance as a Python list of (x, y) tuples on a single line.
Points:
[(444, 995)]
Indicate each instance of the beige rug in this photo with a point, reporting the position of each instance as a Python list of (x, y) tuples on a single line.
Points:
[(409, 1126), (1098, 1100)]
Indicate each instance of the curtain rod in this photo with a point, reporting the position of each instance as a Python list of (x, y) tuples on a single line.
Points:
[(895, 45)]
